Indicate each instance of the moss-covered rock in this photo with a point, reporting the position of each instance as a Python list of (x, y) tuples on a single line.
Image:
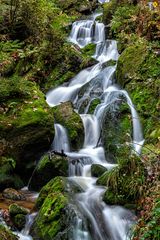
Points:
[(26, 122), (15, 209), (51, 222), (67, 117), (54, 185), (93, 105), (6, 234), (64, 70), (97, 170), (13, 194), (142, 81), (48, 168), (130, 61), (89, 50), (19, 221), (117, 127), (18, 215)]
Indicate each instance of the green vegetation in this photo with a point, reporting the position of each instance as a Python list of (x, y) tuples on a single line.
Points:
[(124, 182), (136, 28), (56, 184), (52, 216), (48, 168)]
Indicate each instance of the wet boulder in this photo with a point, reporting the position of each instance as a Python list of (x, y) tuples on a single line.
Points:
[(97, 170), (56, 184), (13, 194), (52, 221), (48, 167), (18, 215), (26, 123), (67, 117), (15, 209)]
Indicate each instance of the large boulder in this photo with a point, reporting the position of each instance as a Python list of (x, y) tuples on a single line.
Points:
[(67, 117), (26, 122), (52, 219), (48, 167), (18, 215), (15, 209), (130, 61), (13, 194)]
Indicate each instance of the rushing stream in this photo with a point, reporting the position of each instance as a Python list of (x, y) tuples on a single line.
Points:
[(99, 221), (94, 219)]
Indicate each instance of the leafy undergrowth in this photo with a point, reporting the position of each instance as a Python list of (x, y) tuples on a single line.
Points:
[(148, 227)]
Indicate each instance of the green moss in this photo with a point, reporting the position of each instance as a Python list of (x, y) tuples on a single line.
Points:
[(124, 182), (48, 168), (93, 105), (48, 221), (129, 62), (26, 122), (52, 216), (19, 221), (15, 209), (65, 115), (117, 127), (89, 50), (54, 185), (97, 170)]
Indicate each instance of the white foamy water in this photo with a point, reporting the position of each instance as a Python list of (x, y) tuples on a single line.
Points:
[(106, 222)]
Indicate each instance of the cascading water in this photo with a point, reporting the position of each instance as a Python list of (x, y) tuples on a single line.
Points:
[(60, 141), (105, 222)]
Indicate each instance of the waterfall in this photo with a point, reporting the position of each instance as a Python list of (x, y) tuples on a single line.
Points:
[(106, 222), (60, 141), (92, 130)]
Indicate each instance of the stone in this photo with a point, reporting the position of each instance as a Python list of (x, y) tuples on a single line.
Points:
[(15, 209), (52, 221), (13, 194), (97, 170), (48, 168), (67, 117)]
